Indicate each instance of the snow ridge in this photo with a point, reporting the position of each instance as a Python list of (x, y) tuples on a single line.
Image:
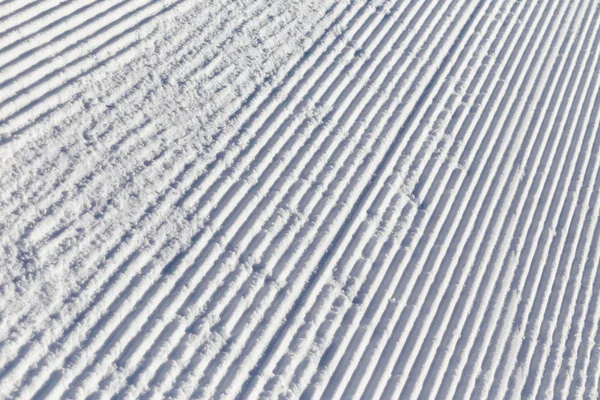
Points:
[(316, 199)]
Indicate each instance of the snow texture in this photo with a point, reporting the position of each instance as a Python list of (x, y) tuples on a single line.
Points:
[(299, 199)]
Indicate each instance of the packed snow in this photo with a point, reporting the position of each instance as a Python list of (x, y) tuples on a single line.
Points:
[(327, 199)]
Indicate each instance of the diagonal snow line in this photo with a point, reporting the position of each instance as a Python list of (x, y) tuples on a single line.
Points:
[(299, 199), (365, 192), (360, 236), (534, 121)]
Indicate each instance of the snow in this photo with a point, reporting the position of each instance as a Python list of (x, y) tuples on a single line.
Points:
[(317, 199)]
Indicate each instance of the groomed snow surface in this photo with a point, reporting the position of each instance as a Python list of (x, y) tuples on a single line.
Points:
[(299, 198)]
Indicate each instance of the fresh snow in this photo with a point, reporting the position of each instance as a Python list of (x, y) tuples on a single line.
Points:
[(299, 199)]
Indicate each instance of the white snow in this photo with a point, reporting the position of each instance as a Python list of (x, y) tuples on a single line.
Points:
[(318, 199)]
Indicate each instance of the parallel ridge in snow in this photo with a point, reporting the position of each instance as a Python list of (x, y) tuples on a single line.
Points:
[(317, 199)]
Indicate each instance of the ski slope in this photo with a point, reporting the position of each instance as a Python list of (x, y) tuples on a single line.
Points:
[(299, 198)]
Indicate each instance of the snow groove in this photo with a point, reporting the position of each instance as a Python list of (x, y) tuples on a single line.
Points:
[(316, 199)]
